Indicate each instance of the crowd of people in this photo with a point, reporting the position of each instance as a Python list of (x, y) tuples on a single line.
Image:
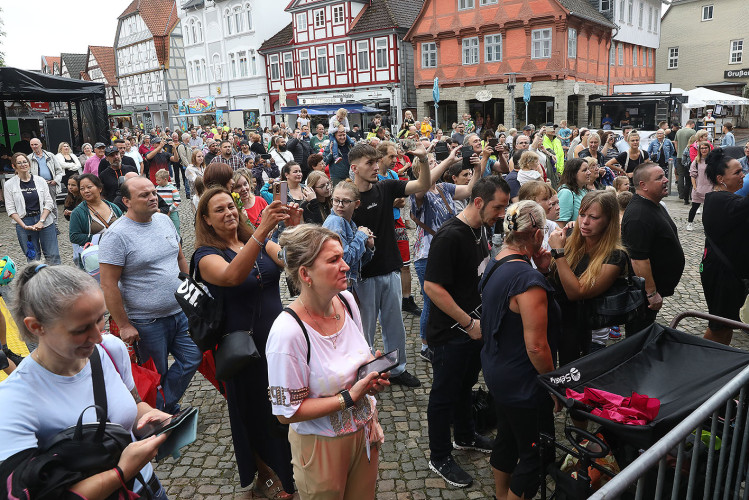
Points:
[(515, 232)]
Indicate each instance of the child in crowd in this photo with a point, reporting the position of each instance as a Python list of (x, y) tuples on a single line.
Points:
[(169, 194), (468, 123), (358, 242), (621, 184), (530, 168), (426, 127)]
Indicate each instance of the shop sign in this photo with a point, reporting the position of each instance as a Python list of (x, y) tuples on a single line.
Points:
[(484, 95), (196, 105), (343, 97), (40, 106), (736, 73)]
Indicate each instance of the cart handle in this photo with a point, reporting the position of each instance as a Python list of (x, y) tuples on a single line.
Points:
[(710, 317), (574, 433)]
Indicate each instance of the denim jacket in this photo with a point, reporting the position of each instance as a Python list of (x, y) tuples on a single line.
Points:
[(355, 251), (669, 151)]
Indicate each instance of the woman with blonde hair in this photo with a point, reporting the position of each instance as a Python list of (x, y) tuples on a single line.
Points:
[(700, 137), (519, 325), (317, 208), (314, 350), (701, 185), (70, 162), (629, 160), (193, 171), (586, 265)]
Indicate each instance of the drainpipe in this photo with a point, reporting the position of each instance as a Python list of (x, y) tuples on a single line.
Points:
[(611, 45)]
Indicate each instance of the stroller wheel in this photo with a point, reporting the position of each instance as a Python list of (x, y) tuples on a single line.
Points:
[(574, 435)]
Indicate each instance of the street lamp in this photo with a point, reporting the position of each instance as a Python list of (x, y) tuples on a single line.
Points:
[(511, 82)]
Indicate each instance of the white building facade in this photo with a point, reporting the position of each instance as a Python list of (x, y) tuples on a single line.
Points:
[(224, 68)]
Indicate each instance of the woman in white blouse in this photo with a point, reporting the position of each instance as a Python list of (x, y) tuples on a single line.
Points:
[(334, 432), (70, 162)]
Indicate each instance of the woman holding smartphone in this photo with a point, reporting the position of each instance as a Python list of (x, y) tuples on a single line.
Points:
[(314, 351)]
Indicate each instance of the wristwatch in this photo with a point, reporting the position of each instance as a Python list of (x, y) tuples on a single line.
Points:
[(347, 399), (557, 252)]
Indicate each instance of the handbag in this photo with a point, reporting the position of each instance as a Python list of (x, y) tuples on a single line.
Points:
[(204, 311), (235, 351), (147, 379), (483, 410), (74, 454), (618, 305)]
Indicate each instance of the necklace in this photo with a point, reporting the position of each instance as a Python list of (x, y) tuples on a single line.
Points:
[(337, 317), (481, 230)]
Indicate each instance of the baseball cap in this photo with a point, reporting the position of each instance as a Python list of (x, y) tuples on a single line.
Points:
[(99, 145), (527, 127), (111, 150), (156, 140)]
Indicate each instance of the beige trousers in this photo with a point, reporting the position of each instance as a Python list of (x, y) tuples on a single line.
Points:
[(334, 468)]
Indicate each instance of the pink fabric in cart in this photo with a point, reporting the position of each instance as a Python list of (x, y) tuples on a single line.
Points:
[(637, 409)]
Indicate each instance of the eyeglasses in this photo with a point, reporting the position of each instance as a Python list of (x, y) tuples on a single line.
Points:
[(324, 186), (344, 203)]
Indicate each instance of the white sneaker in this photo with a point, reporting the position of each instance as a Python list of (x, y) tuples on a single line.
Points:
[(699, 210), (690, 226)]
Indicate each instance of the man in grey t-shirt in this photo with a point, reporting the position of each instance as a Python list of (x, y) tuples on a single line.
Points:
[(140, 259)]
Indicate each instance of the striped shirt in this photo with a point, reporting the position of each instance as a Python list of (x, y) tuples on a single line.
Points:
[(170, 195)]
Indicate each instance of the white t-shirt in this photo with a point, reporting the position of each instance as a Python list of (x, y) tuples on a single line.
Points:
[(528, 175), (330, 370), (39, 404)]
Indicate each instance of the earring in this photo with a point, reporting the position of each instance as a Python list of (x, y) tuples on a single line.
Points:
[(309, 284)]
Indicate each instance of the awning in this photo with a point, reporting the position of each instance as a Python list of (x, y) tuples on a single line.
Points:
[(616, 99), (701, 97), (326, 109), (119, 112)]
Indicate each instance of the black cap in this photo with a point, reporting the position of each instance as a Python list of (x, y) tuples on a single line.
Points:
[(99, 145), (111, 150), (156, 140), (527, 127)]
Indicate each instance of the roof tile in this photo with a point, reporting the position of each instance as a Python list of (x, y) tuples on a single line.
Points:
[(387, 14), (583, 10), (160, 17), (280, 39), (105, 58), (75, 64)]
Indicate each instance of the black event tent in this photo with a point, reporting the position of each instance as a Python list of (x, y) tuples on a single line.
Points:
[(86, 101)]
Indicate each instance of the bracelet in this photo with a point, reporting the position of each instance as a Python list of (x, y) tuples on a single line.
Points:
[(348, 400), (341, 401), (470, 325), (120, 475), (651, 295), (262, 245)]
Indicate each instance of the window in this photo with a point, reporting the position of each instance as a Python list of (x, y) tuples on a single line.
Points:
[(466, 4), (488, 2), (304, 62), (571, 43), (233, 65), (541, 44), (288, 65), (319, 18), (429, 55), (242, 55), (650, 19), (275, 71), (605, 5), (238, 19), (620, 49), (650, 57), (301, 21), (492, 48), (630, 10), (200, 31), (248, 16), (362, 55), (470, 51), (191, 72), (381, 53), (673, 57), (253, 63), (322, 61), (737, 51), (229, 22), (707, 13), (338, 14), (634, 56), (641, 16), (621, 11), (340, 58)]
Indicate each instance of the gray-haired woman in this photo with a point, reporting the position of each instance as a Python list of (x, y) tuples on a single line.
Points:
[(62, 310)]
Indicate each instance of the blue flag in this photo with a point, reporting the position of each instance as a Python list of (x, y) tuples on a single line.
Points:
[(436, 90), (527, 91)]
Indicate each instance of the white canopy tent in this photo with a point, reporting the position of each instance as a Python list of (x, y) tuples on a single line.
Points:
[(701, 97)]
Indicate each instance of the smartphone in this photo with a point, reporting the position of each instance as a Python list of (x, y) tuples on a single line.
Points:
[(281, 192), (166, 425), (493, 143), (383, 364), (265, 156), (441, 151), (408, 144), (466, 152)]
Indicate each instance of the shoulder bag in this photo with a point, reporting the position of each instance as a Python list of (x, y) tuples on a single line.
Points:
[(618, 305), (204, 311), (74, 454)]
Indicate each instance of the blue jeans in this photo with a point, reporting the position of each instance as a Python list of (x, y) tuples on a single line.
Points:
[(421, 269), (44, 241), (160, 337), (381, 297)]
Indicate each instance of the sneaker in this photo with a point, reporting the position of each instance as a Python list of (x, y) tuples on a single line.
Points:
[(409, 305), (11, 355), (690, 226), (405, 379), (427, 354), (451, 472), (480, 443), (615, 332)]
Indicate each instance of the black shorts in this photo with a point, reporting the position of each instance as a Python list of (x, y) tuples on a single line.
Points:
[(725, 293)]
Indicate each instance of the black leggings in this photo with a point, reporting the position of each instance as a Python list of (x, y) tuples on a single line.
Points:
[(693, 211)]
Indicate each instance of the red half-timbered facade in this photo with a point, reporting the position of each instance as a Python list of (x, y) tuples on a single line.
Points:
[(337, 51)]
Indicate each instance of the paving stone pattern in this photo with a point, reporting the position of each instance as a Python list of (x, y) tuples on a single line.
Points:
[(207, 469)]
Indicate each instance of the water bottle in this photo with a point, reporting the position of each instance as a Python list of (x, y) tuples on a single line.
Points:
[(30, 250)]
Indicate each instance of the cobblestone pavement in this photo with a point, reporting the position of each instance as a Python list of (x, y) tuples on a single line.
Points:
[(207, 469)]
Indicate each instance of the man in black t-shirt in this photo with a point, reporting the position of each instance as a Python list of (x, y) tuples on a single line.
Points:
[(380, 291), (110, 176), (458, 255), (652, 240)]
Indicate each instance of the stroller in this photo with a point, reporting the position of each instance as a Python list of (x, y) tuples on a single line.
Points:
[(681, 370)]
